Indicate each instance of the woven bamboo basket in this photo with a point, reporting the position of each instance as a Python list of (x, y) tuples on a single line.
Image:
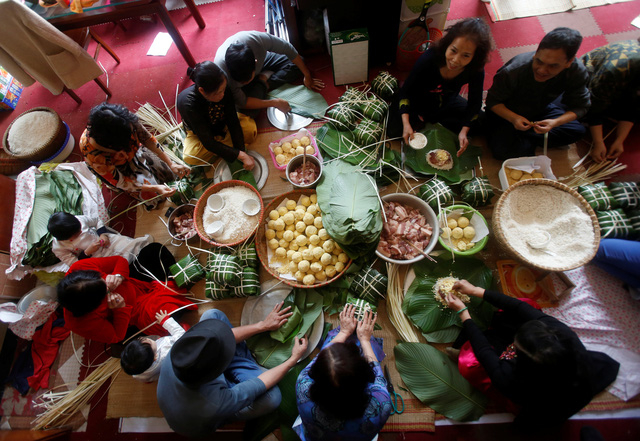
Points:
[(499, 231), (261, 242), (202, 204), (10, 165), (49, 144)]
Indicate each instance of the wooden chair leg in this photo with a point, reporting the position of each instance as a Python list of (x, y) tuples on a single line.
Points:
[(72, 94), (106, 47), (103, 86)]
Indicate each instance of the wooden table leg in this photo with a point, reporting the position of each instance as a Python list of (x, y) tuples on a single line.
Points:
[(195, 13), (162, 12)]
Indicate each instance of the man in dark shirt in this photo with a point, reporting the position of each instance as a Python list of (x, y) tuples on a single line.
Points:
[(538, 93)]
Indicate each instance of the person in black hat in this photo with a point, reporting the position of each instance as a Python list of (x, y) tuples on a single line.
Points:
[(210, 377)]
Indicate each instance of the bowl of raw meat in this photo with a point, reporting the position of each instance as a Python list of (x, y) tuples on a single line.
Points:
[(181, 225), (304, 173), (410, 229)]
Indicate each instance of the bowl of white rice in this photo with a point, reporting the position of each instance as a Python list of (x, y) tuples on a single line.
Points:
[(547, 225), (237, 225)]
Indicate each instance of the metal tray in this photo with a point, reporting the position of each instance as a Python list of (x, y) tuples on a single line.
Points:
[(260, 171), (287, 121)]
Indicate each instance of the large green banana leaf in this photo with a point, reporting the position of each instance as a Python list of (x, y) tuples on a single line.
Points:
[(438, 137), (429, 315), (350, 205), (435, 380), (269, 352), (303, 101)]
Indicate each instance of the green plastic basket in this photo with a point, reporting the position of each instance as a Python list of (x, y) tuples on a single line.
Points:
[(479, 245)]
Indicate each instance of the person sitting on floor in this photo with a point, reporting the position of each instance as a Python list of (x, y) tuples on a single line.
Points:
[(209, 116), (621, 258), (123, 153), (431, 91), (142, 358), (210, 378), (538, 363), (536, 93), (256, 62), (342, 393), (614, 82), (101, 301), (79, 237)]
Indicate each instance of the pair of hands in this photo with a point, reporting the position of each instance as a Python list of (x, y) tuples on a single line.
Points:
[(101, 242), (407, 134), (599, 151), (310, 83), (523, 124), (114, 300), (278, 317), (349, 323), (463, 287)]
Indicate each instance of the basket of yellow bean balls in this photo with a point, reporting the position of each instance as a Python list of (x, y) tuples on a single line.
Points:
[(461, 230), (294, 247), (287, 148)]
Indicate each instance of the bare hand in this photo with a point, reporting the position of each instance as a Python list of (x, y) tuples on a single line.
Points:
[(164, 190), (299, 347), (113, 282), (247, 160), (161, 315), (115, 301), (407, 133), (464, 287), (180, 170), (598, 151), (522, 124), (365, 327), (544, 126), (464, 143), (276, 317), (91, 249), (616, 150), (280, 104), (313, 83), (348, 321), (106, 243), (454, 302)]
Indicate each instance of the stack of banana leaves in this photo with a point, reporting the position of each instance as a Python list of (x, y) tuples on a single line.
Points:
[(57, 190)]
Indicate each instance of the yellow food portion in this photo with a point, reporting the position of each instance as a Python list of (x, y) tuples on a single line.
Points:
[(444, 286), (458, 233), (514, 175), (286, 151)]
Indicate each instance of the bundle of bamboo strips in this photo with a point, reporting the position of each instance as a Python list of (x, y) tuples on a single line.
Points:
[(62, 406), (395, 296), (595, 172)]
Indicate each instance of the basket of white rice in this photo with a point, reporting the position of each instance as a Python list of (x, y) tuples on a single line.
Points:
[(546, 224), (35, 135)]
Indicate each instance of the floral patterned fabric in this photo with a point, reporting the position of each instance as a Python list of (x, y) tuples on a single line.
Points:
[(320, 426)]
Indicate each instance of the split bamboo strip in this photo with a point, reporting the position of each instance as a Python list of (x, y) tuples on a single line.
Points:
[(395, 296), (61, 407), (595, 172)]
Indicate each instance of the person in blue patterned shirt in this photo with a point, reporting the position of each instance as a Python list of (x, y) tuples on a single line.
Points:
[(342, 394)]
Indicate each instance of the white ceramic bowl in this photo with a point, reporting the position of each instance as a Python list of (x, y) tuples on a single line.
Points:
[(251, 207), (215, 203), (296, 162), (426, 211), (418, 142)]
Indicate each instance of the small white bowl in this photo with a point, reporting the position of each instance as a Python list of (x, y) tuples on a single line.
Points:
[(214, 228), (215, 202), (251, 207), (418, 141)]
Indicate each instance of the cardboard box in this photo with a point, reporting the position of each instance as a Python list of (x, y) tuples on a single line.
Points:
[(10, 90), (520, 281), (350, 56)]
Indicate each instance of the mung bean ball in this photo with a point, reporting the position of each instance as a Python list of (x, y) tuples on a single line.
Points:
[(301, 240), (283, 243), (342, 258), (310, 230), (281, 159), (321, 275), (273, 214), (279, 225), (314, 198), (313, 209), (291, 204), (308, 219), (305, 141), (288, 218), (339, 266), (307, 254), (309, 279), (315, 267), (305, 200), (278, 150), (288, 236), (469, 232), (310, 150), (296, 256), (282, 211), (299, 213), (446, 233), (318, 252), (330, 271), (314, 239), (328, 245), (273, 244), (463, 222), (299, 150), (323, 233), (295, 142), (457, 232), (286, 147), (270, 234), (325, 259), (304, 266), (301, 226), (299, 275), (452, 223), (279, 234)]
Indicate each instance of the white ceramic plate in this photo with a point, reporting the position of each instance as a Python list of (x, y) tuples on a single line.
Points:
[(257, 308), (260, 171), (287, 121)]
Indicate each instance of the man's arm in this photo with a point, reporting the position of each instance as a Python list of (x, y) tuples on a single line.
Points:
[(257, 103)]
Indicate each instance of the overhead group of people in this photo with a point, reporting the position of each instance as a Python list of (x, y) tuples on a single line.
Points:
[(206, 374)]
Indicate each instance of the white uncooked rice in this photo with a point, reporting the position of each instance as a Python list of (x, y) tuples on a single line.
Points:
[(237, 225), (30, 131), (531, 211)]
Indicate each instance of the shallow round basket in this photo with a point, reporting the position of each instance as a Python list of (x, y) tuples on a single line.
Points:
[(49, 145), (498, 230), (479, 245), (426, 211), (261, 242), (202, 204)]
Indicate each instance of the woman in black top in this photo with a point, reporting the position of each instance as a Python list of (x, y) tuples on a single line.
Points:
[(531, 358), (210, 119), (431, 91)]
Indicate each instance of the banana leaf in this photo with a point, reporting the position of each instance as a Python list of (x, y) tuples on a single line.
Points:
[(290, 328), (303, 101), (269, 352), (428, 314), (438, 137), (435, 380), (350, 208)]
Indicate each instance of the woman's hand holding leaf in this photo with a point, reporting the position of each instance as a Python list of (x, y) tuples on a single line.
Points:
[(365, 327), (276, 317), (348, 322), (454, 302), (299, 347), (464, 287)]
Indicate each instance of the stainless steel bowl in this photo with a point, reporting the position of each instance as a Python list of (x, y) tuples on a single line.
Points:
[(296, 162)]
